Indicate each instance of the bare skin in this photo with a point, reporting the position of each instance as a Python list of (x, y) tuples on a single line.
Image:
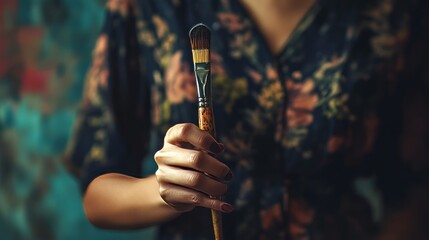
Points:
[(276, 19), (179, 185)]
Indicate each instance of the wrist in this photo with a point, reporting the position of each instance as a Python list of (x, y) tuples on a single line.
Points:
[(156, 199)]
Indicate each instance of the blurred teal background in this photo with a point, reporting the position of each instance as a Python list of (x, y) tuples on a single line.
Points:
[(45, 51)]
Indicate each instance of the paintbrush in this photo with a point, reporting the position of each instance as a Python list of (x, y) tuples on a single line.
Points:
[(200, 43)]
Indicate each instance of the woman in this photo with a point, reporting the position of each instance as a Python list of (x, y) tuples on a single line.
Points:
[(302, 90)]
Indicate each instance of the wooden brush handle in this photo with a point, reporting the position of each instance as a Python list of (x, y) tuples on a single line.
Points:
[(206, 123), (206, 120)]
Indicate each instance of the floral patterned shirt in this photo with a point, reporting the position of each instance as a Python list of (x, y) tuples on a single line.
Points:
[(310, 133)]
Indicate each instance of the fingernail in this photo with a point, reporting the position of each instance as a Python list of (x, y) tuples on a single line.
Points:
[(228, 176), (216, 148), (226, 207)]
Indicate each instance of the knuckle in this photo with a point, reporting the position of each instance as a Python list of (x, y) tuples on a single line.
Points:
[(212, 204), (196, 199), (196, 159), (174, 128), (157, 156), (164, 192), (184, 129), (158, 174), (169, 133), (203, 140), (194, 180)]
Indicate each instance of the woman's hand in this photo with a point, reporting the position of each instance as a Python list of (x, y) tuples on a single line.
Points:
[(182, 163)]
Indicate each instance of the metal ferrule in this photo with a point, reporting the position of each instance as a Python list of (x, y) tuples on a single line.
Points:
[(204, 86)]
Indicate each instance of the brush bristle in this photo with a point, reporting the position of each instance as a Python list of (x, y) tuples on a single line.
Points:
[(200, 43), (200, 37)]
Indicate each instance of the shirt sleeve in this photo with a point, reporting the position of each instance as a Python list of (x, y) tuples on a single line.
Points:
[(112, 128)]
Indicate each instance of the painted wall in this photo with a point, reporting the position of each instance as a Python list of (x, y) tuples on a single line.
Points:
[(45, 51)]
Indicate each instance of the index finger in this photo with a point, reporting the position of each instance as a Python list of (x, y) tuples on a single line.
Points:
[(187, 132)]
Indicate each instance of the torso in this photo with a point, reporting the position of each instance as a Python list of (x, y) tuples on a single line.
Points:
[(276, 20), (296, 127)]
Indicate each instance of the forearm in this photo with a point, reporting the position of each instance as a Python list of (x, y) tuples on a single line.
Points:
[(119, 201)]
